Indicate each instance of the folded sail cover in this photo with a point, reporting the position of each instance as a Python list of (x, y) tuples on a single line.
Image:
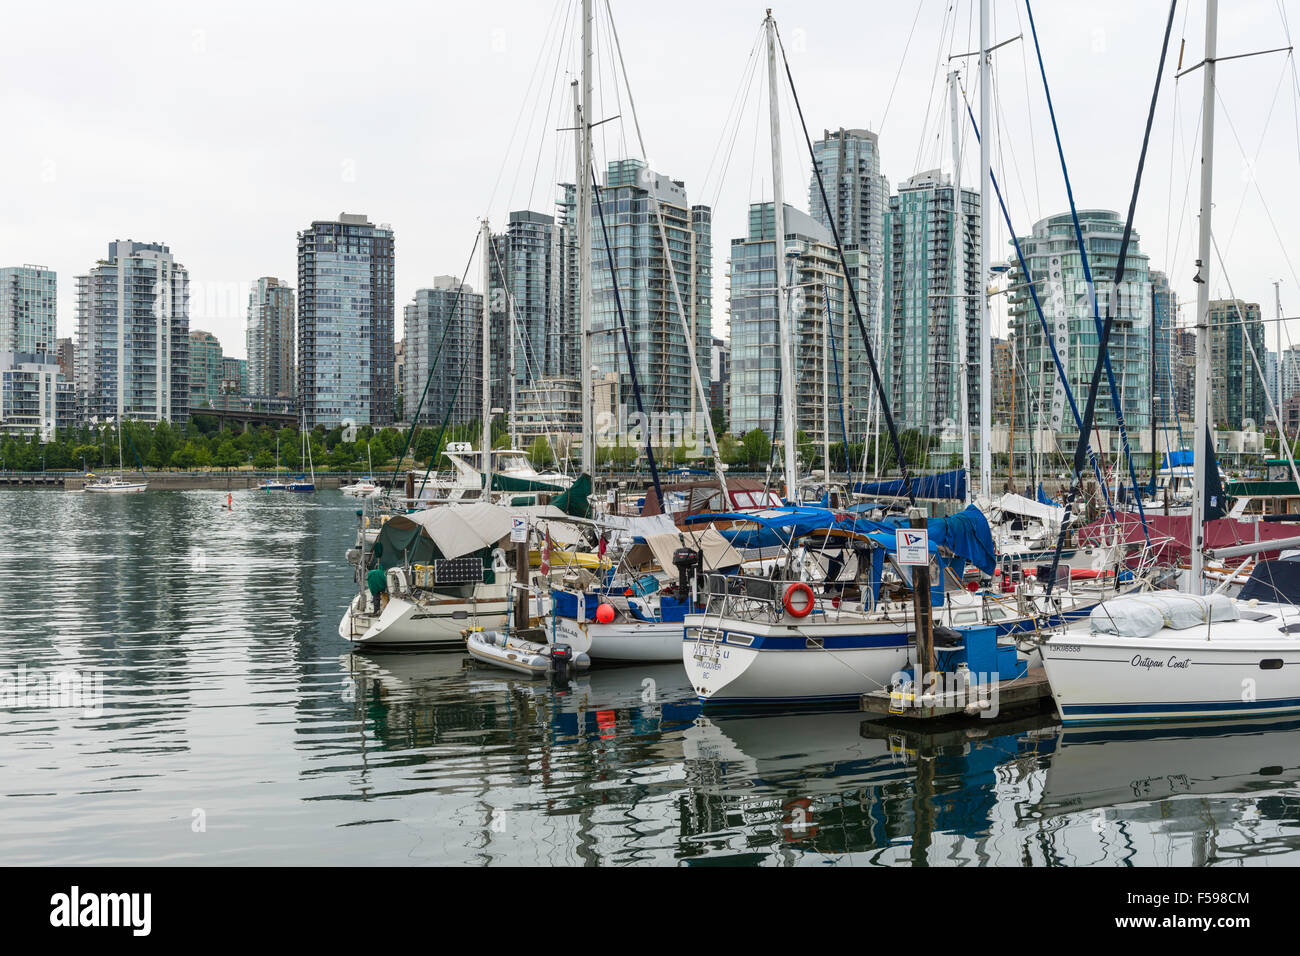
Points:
[(1143, 615), (946, 484)]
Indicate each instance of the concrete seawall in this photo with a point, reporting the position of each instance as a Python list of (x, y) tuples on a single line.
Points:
[(165, 481)]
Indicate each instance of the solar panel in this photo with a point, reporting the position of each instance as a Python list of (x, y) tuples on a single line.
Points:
[(466, 570)]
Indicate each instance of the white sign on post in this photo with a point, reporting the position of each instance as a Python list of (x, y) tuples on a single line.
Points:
[(913, 547), (518, 530)]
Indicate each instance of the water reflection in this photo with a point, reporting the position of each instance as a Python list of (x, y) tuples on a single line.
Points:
[(237, 727)]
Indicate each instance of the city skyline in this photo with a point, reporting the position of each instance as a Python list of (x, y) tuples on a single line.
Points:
[(215, 173)]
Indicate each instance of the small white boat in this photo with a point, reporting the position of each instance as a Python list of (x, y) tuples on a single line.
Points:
[(530, 658), (272, 485), (115, 485), (365, 488)]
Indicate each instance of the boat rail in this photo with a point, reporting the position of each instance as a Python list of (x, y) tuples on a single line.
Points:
[(749, 597)]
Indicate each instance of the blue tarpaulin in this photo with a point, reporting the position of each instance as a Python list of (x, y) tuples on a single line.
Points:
[(966, 533), (775, 526), (1178, 459), (1043, 497), (946, 484)]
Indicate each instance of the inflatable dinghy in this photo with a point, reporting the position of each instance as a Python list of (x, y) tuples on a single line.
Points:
[(530, 658)]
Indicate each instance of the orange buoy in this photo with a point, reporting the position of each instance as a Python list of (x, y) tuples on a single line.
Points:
[(605, 614)]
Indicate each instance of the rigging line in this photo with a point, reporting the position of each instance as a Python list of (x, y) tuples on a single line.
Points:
[(748, 85), (550, 100), (839, 391), (1103, 330), (853, 292), (1192, 165), (938, 61), (1103, 339), (1252, 163), (1048, 337), (1029, 113), (1272, 407), (541, 54), (1267, 212), (455, 305), (687, 331), (525, 342), (898, 74), (731, 120), (627, 342)]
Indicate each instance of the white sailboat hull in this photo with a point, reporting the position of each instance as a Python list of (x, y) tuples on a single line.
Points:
[(645, 641), (1098, 678), (125, 488), (853, 659), (407, 623)]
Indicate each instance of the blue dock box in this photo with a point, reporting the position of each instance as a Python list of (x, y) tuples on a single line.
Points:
[(982, 654)]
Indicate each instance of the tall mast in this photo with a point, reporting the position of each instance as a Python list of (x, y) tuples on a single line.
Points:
[(514, 360), (1201, 411), (986, 324), (958, 300), (1152, 380), (485, 240), (1277, 298), (584, 249), (826, 389), (788, 430)]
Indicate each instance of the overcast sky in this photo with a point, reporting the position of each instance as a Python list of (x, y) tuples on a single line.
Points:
[(223, 129)]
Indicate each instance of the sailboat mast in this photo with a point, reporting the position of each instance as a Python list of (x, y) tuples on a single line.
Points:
[(782, 286), (1201, 412), (826, 388), (958, 300), (986, 324), (588, 398), (1277, 299), (485, 242)]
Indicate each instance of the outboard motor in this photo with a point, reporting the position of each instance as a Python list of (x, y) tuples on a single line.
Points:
[(685, 560), (946, 637), (561, 657)]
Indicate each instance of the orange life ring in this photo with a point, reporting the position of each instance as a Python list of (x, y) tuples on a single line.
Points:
[(806, 608)]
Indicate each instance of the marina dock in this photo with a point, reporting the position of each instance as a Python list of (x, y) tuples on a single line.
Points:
[(991, 701)]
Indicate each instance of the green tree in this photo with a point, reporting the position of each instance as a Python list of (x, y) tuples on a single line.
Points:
[(227, 455), (757, 448), (539, 453)]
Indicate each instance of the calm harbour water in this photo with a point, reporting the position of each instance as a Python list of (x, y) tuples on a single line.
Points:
[(235, 727)]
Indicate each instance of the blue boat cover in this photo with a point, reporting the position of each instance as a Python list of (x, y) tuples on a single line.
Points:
[(1043, 497), (1273, 581), (946, 484), (776, 526), (1178, 459)]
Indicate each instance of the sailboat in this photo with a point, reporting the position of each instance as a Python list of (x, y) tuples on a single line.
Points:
[(365, 487), (274, 484), (116, 484), (302, 484), (1175, 656)]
